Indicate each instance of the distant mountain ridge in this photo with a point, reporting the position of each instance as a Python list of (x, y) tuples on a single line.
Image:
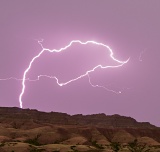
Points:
[(99, 120), (28, 130)]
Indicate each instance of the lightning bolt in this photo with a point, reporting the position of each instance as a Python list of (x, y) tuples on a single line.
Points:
[(141, 53), (24, 79), (12, 78)]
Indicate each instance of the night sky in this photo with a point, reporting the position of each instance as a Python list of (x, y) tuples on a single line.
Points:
[(130, 28)]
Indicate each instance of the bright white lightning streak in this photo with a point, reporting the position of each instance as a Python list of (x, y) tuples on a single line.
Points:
[(53, 77), (72, 80)]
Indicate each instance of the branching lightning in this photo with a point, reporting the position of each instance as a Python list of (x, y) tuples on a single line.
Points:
[(24, 79), (12, 78)]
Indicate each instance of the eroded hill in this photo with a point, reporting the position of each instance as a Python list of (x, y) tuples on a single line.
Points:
[(25, 130)]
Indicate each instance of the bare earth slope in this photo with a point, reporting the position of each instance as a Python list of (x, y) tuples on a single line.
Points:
[(30, 130)]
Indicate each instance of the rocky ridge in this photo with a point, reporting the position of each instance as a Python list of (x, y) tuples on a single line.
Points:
[(28, 129)]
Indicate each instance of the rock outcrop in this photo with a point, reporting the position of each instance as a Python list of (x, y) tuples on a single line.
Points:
[(28, 128)]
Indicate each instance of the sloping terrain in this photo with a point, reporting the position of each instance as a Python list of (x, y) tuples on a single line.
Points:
[(25, 130)]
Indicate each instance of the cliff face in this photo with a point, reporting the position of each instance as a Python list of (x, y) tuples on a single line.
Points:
[(59, 128)]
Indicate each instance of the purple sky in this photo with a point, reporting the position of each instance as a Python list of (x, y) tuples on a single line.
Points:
[(130, 28)]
